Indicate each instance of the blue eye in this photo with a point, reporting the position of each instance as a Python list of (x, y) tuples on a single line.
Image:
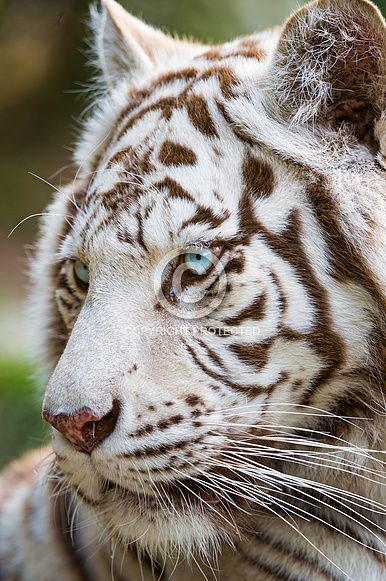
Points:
[(199, 262), (81, 272)]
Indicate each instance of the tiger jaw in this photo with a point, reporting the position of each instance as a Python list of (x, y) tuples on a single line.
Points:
[(160, 516)]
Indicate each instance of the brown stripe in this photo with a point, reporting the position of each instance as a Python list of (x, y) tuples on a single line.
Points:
[(176, 154), (289, 246), (275, 572), (188, 74), (64, 302), (86, 499), (75, 201), (173, 461), (256, 355), (226, 77), (64, 283), (137, 97), (168, 422), (324, 339), (196, 105), (165, 105), (236, 264), (346, 260), (174, 189), (199, 116), (282, 297), (58, 331), (205, 215), (140, 238), (251, 390), (255, 311), (160, 450), (216, 359), (259, 180), (298, 555), (124, 236), (253, 52)]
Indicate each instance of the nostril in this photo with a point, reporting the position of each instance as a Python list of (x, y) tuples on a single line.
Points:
[(98, 430), (84, 428)]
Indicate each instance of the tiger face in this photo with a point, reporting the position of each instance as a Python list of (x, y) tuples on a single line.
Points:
[(209, 282)]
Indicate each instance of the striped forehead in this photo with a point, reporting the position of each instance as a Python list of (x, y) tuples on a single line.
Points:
[(174, 165)]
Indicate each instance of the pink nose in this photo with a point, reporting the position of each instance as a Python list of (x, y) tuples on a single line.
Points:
[(83, 428)]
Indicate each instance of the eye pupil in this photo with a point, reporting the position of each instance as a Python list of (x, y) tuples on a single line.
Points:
[(198, 256)]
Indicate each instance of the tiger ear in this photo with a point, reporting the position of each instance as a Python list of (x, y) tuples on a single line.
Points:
[(126, 47), (330, 65)]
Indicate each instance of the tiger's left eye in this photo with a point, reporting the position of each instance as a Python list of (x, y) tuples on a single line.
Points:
[(201, 261), (81, 272)]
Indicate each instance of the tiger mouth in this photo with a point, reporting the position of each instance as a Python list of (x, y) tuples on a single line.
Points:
[(181, 493)]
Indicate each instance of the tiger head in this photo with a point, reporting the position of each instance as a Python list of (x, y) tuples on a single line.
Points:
[(208, 289)]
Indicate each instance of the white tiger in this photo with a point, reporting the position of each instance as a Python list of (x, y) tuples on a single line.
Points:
[(209, 297)]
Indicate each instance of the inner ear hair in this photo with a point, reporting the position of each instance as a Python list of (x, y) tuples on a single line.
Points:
[(330, 67), (125, 47)]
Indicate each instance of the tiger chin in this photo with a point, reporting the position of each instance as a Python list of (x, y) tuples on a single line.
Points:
[(208, 296)]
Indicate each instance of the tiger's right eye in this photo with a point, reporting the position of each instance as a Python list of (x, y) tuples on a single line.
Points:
[(81, 272), (199, 262)]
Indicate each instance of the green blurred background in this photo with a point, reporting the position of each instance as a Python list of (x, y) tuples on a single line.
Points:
[(43, 91)]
